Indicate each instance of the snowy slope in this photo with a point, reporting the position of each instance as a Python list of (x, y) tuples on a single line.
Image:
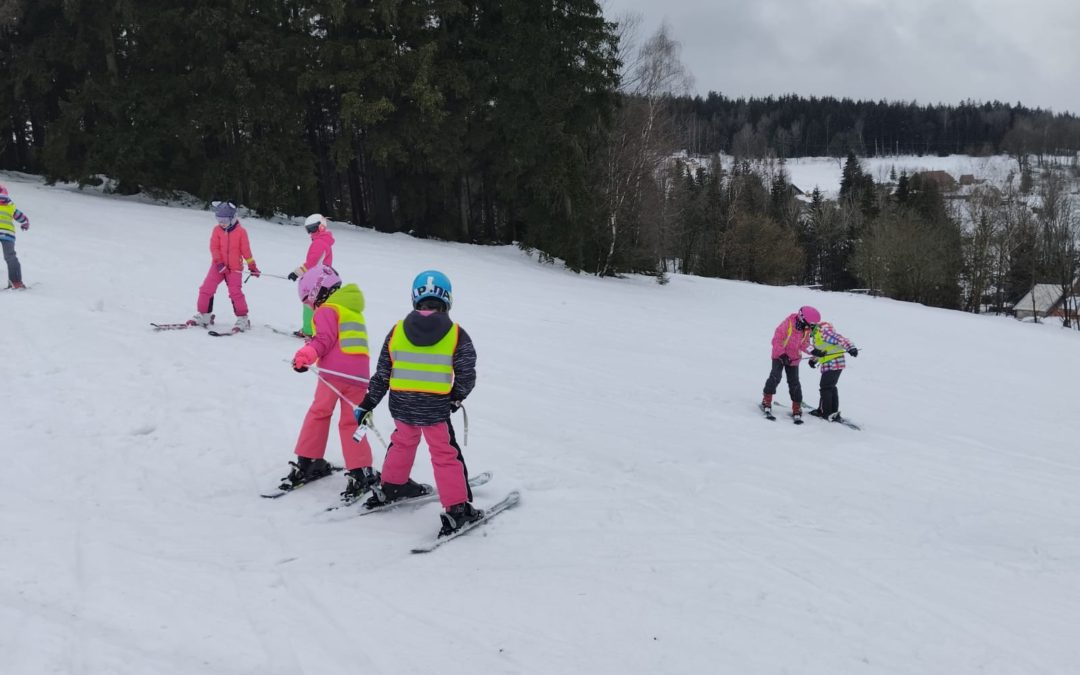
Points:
[(665, 526)]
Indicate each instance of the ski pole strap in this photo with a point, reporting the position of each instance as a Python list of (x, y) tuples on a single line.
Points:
[(324, 371)]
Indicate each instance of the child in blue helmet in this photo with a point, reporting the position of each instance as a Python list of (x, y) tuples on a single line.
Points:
[(428, 364)]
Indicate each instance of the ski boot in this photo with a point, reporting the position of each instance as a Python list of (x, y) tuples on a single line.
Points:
[(359, 482), (305, 470), (457, 516), (385, 493), (816, 412), (796, 411), (835, 417), (202, 319), (17, 285), (242, 324), (766, 404)]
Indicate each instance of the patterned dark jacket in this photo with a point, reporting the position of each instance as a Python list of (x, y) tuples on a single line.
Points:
[(418, 408)]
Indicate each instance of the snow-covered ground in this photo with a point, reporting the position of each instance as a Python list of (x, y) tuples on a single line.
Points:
[(665, 526)]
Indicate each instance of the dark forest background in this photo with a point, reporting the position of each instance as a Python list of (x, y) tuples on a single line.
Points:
[(547, 125)]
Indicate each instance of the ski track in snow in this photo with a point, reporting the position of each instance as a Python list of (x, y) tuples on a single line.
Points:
[(665, 526)]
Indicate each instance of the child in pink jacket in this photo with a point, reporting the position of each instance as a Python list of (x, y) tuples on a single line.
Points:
[(320, 252), (790, 341), (229, 250), (340, 347)]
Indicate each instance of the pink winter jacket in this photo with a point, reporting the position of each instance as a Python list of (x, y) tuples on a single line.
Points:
[(325, 344), (231, 248), (320, 251), (789, 340)]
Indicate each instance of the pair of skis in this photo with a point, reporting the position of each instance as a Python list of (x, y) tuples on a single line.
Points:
[(429, 495), (183, 326), (798, 420)]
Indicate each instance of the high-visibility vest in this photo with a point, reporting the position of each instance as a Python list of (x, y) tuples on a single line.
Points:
[(832, 352), (352, 332), (7, 219), (429, 370)]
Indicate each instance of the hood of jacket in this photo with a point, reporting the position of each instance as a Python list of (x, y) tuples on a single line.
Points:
[(323, 236), (349, 296), (426, 328)]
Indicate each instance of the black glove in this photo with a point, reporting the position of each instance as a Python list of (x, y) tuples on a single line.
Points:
[(854, 351), (455, 406), (292, 276), (813, 363), (360, 414), (818, 352), (785, 360)]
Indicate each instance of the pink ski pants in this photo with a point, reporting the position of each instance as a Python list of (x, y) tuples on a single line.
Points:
[(446, 460), (316, 427), (233, 280)]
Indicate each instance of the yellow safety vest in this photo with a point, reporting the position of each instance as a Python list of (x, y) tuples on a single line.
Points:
[(429, 370), (832, 352), (7, 219), (352, 331)]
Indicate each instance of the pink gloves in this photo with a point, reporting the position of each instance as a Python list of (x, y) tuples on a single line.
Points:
[(254, 269), (304, 357)]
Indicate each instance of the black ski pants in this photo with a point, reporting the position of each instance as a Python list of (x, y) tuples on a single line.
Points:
[(792, 374), (830, 397)]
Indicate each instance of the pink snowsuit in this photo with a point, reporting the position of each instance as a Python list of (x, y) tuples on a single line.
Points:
[(320, 251), (228, 247), (787, 339), (326, 347)]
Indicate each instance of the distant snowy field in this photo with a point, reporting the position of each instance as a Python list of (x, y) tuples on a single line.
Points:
[(825, 172), (665, 526)]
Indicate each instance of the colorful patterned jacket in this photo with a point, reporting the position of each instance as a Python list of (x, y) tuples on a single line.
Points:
[(828, 340)]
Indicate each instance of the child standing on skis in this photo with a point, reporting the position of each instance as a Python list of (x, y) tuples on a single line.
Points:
[(229, 250), (829, 350), (428, 364), (790, 341), (9, 215), (320, 252), (340, 346)]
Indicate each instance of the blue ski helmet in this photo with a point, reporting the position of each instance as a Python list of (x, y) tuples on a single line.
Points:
[(432, 284)]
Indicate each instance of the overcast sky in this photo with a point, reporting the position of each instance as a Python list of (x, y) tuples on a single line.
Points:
[(929, 51)]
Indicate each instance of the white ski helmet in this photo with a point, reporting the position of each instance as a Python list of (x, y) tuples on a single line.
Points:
[(314, 223)]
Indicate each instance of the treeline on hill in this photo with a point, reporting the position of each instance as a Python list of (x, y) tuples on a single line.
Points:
[(512, 121), (794, 126)]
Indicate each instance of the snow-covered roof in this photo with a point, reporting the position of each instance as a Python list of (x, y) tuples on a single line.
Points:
[(1045, 297)]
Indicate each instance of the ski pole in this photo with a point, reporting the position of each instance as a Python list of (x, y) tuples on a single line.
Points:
[(357, 378), (465, 415), (361, 429), (276, 276)]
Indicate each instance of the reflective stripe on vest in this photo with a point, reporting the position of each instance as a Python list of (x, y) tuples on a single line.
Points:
[(424, 369), (7, 219), (352, 332)]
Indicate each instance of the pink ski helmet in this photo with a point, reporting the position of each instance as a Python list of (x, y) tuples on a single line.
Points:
[(808, 314), (316, 280)]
